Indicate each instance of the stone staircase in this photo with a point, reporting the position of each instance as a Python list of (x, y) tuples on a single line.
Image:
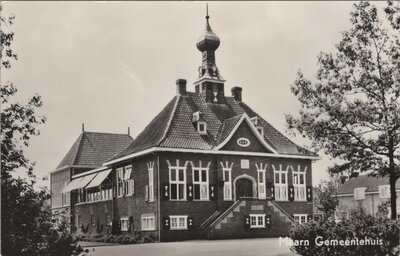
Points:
[(231, 223)]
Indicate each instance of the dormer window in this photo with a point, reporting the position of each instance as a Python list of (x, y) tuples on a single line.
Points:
[(202, 127), (260, 130), (254, 120)]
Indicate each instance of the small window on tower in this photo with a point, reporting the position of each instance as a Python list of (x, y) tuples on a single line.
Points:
[(202, 127)]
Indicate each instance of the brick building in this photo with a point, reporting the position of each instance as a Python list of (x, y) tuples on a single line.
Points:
[(207, 166)]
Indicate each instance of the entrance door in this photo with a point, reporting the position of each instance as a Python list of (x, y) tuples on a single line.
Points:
[(244, 188)]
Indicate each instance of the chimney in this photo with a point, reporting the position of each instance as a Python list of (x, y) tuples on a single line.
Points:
[(237, 93), (129, 131), (181, 87)]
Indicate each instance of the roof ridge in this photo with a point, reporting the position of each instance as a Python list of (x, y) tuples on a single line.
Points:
[(111, 133), (178, 97), (78, 148)]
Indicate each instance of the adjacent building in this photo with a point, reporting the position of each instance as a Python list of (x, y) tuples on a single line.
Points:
[(207, 166), (366, 192)]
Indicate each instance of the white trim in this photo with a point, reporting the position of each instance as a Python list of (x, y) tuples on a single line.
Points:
[(255, 132), (204, 124), (177, 217), (297, 186), (261, 171), (299, 216), (384, 191), (361, 194), (217, 152), (280, 171), (176, 168), (257, 216), (149, 217), (127, 220), (201, 183), (367, 193), (245, 144), (227, 180)]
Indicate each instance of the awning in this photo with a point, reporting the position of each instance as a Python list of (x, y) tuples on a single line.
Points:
[(100, 177), (79, 182)]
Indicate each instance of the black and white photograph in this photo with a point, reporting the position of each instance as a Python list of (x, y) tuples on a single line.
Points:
[(217, 128)]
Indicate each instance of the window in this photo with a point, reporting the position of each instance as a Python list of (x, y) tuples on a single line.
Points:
[(202, 127), (260, 130), (280, 179), (299, 184), (151, 184), (200, 183), (261, 184), (177, 181), (125, 182), (148, 223), (359, 193), (384, 191), (244, 164), (64, 196), (227, 176), (243, 142), (124, 224), (257, 220), (300, 218), (178, 222)]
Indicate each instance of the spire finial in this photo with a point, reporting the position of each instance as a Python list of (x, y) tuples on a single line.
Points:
[(207, 17)]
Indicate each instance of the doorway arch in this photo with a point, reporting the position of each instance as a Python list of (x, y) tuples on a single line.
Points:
[(246, 185)]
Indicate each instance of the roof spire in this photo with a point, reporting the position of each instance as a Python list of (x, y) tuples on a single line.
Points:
[(207, 17)]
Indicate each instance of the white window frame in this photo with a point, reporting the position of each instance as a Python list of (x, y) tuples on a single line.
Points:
[(257, 218), (227, 177), (129, 182), (178, 219), (120, 181), (300, 192), (150, 168), (384, 191), (148, 223), (262, 194), (202, 124), (281, 189), (359, 193), (124, 220), (203, 184), (299, 218), (178, 182)]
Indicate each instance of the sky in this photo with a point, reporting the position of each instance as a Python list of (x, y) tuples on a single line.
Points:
[(113, 65)]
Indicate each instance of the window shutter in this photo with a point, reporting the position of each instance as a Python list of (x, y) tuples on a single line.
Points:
[(190, 223), (146, 192), (166, 224), (189, 188), (130, 224), (291, 192), (165, 191), (268, 220), (247, 221), (213, 192), (309, 193)]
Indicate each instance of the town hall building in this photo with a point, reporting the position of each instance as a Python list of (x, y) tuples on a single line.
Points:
[(206, 167)]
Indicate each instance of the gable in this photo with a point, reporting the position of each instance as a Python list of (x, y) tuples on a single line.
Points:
[(244, 131)]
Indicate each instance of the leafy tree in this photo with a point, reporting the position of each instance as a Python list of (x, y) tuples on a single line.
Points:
[(27, 224), (352, 109), (324, 198)]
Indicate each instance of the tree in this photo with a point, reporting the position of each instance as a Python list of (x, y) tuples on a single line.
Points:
[(325, 199), (352, 109), (27, 225)]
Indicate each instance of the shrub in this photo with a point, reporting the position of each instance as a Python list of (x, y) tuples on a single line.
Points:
[(381, 232)]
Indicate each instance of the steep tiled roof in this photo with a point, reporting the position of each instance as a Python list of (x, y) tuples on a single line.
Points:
[(93, 149), (173, 127), (371, 183)]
